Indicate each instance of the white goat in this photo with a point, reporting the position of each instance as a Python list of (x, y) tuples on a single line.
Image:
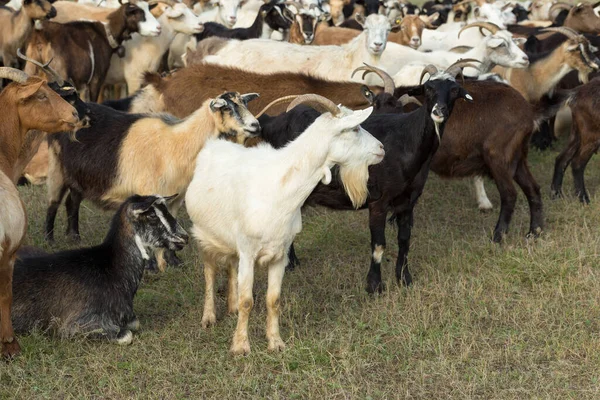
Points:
[(144, 53), (334, 63), (225, 12), (498, 48), (245, 204)]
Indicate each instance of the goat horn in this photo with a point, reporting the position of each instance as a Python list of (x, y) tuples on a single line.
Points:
[(558, 6), (276, 101), (15, 75), (493, 28), (430, 69), (406, 99), (388, 82), (319, 103), (596, 4), (167, 2), (568, 32), (457, 67), (45, 67)]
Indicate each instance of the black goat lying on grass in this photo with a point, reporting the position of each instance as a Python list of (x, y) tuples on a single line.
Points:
[(91, 290)]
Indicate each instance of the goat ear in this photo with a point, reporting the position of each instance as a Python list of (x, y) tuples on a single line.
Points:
[(355, 118), (495, 42), (172, 13), (360, 19), (397, 25), (136, 209), (217, 104), (170, 198), (465, 95), (248, 97), (367, 94), (25, 91)]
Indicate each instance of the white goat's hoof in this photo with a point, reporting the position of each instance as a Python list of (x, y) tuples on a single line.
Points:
[(276, 344), (241, 348), (485, 206), (125, 338), (209, 320)]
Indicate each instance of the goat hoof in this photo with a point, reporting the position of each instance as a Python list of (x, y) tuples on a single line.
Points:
[(534, 233), (209, 320), (241, 348), (276, 344), (152, 265), (11, 350), (74, 237), (555, 194), (49, 238), (172, 259), (375, 287), (133, 325), (497, 238), (405, 280), (124, 337)]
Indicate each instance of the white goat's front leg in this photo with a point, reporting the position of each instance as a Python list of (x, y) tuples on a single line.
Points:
[(482, 200), (241, 344), (209, 316), (232, 289), (276, 272)]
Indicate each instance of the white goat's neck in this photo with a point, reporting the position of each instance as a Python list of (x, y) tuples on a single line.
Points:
[(356, 52), (480, 52), (308, 163)]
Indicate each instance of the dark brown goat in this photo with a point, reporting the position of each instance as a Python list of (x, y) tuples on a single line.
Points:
[(584, 140), (581, 17), (81, 51), (180, 95)]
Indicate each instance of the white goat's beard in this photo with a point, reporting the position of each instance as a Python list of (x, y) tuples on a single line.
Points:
[(354, 178)]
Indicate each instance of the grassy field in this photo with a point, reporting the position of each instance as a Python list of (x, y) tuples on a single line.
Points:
[(519, 320)]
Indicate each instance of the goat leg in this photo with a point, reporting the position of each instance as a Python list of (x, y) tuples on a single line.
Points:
[(10, 346), (563, 160), (531, 189), (404, 221), (172, 259), (508, 199), (72, 205), (293, 259), (578, 165), (377, 216)]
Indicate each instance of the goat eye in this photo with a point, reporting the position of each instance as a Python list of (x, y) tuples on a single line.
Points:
[(41, 96)]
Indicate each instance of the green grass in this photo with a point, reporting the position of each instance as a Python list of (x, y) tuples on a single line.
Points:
[(513, 321)]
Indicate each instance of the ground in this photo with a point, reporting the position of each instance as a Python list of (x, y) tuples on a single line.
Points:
[(511, 321)]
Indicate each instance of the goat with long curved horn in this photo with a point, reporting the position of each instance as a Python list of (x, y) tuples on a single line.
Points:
[(13, 74), (568, 32), (319, 103), (430, 69), (53, 75), (388, 82), (454, 69), (493, 28)]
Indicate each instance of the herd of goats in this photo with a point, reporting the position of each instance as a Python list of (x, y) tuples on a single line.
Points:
[(347, 104)]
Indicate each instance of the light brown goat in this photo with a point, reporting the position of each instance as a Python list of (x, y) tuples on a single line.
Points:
[(28, 103), (15, 26)]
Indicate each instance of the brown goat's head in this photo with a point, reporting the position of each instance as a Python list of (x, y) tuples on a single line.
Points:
[(461, 11), (411, 29), (578, 53), (127, 17), (39, 9), (583, 18), (38, 106), (307, 23), (232, 117)]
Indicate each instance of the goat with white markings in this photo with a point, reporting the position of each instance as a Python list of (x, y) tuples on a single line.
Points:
[(90, 291), (124, 154), (245, 204)]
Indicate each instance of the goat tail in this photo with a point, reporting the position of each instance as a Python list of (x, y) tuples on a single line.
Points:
[(548, 106)]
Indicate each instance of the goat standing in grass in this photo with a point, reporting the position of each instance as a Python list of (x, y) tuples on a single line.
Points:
[(91, 290), (26, 104), (245, 204)]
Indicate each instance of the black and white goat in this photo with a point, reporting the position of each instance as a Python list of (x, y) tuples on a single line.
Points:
[(91, 290), (410, 141)]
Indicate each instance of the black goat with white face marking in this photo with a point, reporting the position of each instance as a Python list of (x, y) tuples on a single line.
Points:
[(91, 290)]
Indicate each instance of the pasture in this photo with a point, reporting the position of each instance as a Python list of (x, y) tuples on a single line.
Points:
[(512, 321)]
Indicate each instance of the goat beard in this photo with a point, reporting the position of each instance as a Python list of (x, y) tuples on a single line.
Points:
[(355, 178)]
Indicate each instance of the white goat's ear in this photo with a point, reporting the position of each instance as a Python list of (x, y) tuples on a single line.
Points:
[(355, 118), (519, 41), (217, 104), (495, 43), (360, 19), (172, 13)]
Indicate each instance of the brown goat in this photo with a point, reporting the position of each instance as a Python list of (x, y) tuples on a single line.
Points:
[(28, 103), (303, 28), (16, 26), (584, 140), (179, 95), (90, 43), (581, 17)]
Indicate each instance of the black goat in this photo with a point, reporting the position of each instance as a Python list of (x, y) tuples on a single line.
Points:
[(272, 16), (395, 185), (91, 290)]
